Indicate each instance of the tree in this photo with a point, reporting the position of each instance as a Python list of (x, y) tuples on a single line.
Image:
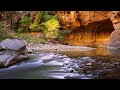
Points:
[(52, 29)]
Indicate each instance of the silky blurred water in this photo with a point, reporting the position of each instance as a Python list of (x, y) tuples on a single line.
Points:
[(100, 63)]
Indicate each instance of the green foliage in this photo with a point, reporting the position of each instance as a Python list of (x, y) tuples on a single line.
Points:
[(5, 33), (41, 18), (37, 27), (46, 23), (25, 21), (62, 33), (20, 30), (52, 29), (33, 26), (52, 24), (48, 17), (38, 18), (42, 40)]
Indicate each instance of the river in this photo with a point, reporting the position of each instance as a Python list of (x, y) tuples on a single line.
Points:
[(99, 63)]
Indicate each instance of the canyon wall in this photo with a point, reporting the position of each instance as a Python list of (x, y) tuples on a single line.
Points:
[(89, 28), (115, 35)]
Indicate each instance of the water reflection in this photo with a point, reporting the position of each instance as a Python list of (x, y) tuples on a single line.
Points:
[(114, 52), (95, 52)]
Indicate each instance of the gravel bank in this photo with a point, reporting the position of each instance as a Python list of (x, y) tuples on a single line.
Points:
[(56, 47)]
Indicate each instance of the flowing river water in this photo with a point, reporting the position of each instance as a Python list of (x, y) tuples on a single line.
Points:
[(99, 63)]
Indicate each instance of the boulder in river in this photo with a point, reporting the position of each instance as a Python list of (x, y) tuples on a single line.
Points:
[(12, 51)]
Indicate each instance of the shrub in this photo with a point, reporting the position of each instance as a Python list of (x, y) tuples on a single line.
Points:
[(26, 21), (36, 25), (52, 29), (19, 30), (4, 34), (48, 17), (42, 40), (62, 33), (41, 18)]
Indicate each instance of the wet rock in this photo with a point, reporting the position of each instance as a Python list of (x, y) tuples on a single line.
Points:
[(72, 70), (109, 74), (69, 70), (88, 71), (88, 64), (12, 51)]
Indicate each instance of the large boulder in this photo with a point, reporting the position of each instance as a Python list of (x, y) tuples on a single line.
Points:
[(12, 44), (12, 51), (115, 39), (115, 35)]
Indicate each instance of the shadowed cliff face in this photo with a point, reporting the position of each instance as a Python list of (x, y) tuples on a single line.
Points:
[(89, 28)]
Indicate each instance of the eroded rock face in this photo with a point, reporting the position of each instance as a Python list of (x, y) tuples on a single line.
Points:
[(12, 51), (115, 35), (115, 18), (93, 16), (76, 19), (68, 19), (94, 27), (115, 39)]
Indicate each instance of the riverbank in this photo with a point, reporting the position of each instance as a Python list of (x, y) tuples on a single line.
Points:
[(35, 44), (55, 47)]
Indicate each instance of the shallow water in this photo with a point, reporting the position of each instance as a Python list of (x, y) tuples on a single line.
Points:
[(100, 63)]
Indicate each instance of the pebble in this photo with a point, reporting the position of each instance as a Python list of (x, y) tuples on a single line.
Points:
[(88, 64)]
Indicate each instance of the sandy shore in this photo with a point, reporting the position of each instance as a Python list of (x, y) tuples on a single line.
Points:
[(56, 47)]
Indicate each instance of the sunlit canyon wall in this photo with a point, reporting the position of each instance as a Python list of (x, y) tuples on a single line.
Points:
[(89, 28)]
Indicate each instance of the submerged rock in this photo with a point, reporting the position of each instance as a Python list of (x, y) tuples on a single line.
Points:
[(12, 51)]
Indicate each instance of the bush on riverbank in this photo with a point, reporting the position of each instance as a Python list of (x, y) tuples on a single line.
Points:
[(5, 33)]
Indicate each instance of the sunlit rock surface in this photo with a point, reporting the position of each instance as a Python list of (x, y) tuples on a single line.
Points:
[(89, 28)]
